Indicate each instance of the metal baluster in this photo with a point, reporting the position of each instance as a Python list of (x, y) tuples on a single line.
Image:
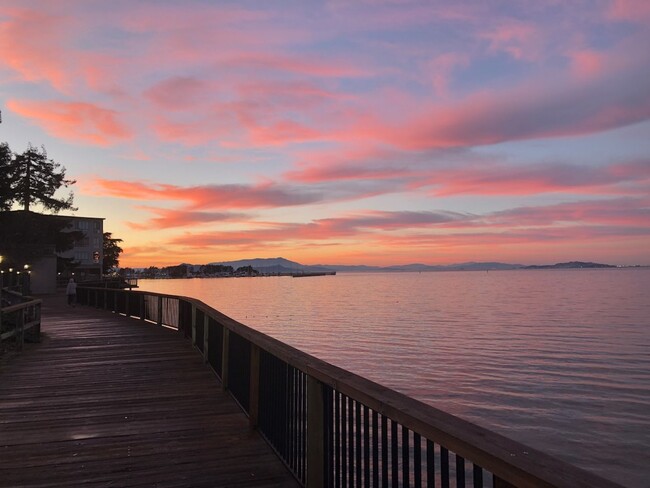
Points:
[(405, 457), (431, 465), (394, 454), (460, 472), (417, 460), (366, 446), (478, 476), (384, 451), (337, 439), (344, 441), (444, 467), (351, 440), (358, 443), (375, 449)]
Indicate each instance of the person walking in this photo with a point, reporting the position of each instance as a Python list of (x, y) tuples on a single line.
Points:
[(71, 292)]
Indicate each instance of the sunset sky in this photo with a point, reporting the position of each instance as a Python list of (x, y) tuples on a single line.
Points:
[(342, 132)]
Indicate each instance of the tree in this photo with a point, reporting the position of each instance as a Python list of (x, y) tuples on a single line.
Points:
[(247, 270), (6, 181), (26, 179), (35, 179), (112, 252)]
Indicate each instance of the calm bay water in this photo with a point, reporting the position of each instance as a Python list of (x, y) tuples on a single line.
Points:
[(556, 359)]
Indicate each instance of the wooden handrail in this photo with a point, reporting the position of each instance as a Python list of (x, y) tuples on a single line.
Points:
[(509, 460), (22, 326)]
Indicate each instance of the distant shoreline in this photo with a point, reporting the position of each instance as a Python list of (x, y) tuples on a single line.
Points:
[(558, 266)]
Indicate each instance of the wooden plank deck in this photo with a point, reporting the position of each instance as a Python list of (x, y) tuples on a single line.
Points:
[(108, 401)]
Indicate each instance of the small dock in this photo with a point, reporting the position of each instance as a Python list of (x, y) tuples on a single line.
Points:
[(106, 400)]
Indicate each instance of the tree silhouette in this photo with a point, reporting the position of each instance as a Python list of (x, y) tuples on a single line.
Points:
[(112, 252), (35, 179), (6, 181)]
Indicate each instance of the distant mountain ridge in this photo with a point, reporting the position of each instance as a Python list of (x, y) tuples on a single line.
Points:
[(285, 266), (274, 266), (570, 264), (282, 265)]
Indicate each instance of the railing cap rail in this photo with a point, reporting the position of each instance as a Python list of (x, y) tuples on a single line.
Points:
[(19, 306)]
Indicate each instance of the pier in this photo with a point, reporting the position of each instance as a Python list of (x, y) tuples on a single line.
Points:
[(140, 388), (104, 400)]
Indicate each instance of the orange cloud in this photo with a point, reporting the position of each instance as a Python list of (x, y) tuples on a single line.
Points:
[(74, 121), (171, 218)]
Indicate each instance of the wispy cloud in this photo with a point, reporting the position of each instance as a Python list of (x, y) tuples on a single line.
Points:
[(208, 197), (77, 122)]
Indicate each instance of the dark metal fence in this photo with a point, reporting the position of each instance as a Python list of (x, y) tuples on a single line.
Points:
[(336, 429)]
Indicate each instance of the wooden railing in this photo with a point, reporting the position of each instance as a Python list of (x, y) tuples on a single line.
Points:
[(334, 428), (21, 320)]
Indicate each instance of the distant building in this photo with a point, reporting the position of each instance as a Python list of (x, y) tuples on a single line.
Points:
[(87, 253)]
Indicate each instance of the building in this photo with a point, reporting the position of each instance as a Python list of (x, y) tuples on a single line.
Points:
[(87, 253), (86, 257), (31, 237)]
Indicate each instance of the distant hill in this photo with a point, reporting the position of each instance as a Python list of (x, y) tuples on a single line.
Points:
[(274, 265), (569, 265), (418, 267), (282, 265)]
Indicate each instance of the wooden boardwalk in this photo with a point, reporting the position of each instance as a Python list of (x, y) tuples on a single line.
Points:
[(110, 401)]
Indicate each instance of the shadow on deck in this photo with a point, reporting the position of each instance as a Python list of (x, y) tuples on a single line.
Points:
[(108, 401)]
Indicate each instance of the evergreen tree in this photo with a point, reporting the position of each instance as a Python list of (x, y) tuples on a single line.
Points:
[(35, 179), (26, 179), (112, 252), (6, 180)]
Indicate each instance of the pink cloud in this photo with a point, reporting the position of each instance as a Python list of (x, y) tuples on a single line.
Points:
[(173, 218), (178, 93), (586, 63), (461, 172), (77, 122), (519, 39), (630, 10), (441, 70), (541, 178), (32, 44), (207, 197)]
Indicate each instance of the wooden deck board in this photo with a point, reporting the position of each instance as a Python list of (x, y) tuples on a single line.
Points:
[(110, 401)]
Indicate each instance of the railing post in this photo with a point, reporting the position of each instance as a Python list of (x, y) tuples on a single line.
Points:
[(193, 325), (20, 330), (205, 337), (105, 298), (126, 303), (143, 302), (160, 310), (224, 359), (315, 434), (254, 387)]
